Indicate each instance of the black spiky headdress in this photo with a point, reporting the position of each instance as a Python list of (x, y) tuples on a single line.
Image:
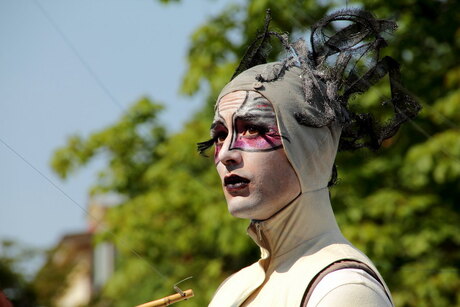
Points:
[(341, 62)]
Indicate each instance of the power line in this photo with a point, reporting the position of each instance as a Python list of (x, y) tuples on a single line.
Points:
[(85, 64), (43, 176), (112, 98)]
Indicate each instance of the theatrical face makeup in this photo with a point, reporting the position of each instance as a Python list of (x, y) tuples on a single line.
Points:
[(257, 178), (254, 124)]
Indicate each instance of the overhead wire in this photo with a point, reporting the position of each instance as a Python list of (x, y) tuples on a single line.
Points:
[(113, 100), (77, 54), (58, 188)]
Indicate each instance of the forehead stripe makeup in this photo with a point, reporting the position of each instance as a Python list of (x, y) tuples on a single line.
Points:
[(228, 106), (232, 101)]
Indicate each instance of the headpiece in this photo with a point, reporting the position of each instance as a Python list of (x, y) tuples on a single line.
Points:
[(340, 64), (316, 83)]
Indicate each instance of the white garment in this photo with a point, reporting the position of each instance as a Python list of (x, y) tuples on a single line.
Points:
[(348, 287), (296, 243)]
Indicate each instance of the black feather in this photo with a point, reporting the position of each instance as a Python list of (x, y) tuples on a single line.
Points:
[(344, 60)]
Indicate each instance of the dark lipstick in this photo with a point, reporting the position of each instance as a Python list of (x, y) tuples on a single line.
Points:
[(235, 183)]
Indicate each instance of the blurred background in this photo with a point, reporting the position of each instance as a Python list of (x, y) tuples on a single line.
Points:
[(104, 200)]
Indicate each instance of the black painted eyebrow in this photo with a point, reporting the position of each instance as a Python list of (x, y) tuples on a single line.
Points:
[(255, 118), (213, 129), (218, 121), (214, 124)]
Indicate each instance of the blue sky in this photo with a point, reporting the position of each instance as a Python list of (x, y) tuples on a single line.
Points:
[(71, 67)]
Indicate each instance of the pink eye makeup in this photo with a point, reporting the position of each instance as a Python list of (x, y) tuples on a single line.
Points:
[(250, 136), (252, 127)]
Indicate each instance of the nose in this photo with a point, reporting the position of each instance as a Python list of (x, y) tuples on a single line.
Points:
[(229, 156)]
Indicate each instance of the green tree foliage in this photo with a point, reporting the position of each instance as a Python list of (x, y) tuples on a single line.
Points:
[(399, 205), (17, 288)]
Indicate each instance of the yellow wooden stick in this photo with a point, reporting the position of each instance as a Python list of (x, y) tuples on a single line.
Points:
[(168, 300)]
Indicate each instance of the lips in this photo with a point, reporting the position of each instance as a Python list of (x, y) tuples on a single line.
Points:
[(235, 183)]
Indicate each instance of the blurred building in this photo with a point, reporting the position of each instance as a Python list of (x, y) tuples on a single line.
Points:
[(77, 269), (74, 254)]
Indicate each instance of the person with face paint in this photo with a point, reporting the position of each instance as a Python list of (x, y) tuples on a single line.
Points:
[(257, 178), (276, 131)]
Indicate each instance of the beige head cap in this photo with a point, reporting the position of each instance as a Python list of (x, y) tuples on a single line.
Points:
[(311, 151), (310, 95)]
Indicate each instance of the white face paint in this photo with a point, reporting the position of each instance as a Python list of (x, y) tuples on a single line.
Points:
[(257, 178)]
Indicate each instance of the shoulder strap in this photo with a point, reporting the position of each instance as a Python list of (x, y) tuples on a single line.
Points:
[(338, 265)]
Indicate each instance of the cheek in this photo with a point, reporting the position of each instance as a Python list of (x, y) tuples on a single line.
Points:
[(265, 165), (277, 173)]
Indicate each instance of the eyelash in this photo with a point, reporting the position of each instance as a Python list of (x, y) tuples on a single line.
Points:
[(203, 146)]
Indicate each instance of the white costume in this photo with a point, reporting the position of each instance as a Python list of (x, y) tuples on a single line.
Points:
[(310, 100)]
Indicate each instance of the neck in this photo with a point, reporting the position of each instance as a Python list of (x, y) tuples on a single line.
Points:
[(310, 215)]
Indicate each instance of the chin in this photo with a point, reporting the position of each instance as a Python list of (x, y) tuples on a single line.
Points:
[(243, 209), (238, 212), (240, 208)]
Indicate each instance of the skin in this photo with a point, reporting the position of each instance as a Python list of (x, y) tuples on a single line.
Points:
[(256, 176)]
